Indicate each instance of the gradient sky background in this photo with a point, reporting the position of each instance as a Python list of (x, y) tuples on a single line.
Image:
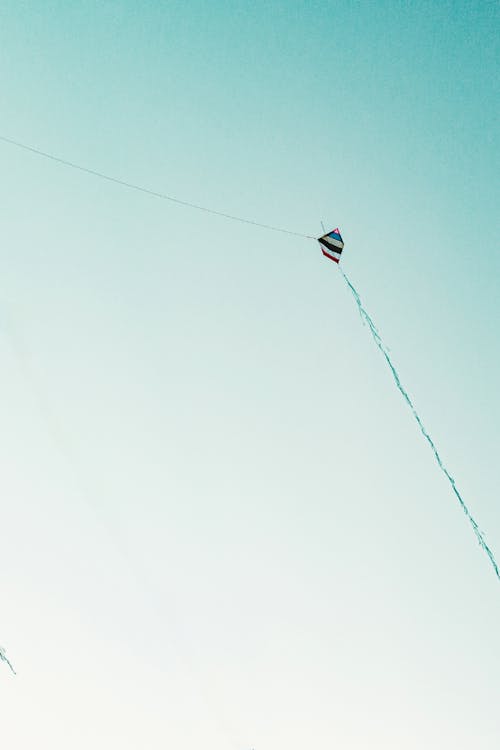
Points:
[(221, 527)]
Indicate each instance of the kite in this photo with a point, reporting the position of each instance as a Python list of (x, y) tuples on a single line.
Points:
[(332, 246), (3, 657)]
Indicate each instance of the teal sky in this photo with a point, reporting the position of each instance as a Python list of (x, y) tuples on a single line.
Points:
[(221, 527)]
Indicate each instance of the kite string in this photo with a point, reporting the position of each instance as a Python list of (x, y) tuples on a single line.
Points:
[(380, 344), (154, 193)]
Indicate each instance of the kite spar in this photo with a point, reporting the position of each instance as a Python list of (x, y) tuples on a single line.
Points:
[(331, 247)]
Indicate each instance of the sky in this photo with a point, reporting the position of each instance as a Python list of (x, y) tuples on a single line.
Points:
[(221, 527)]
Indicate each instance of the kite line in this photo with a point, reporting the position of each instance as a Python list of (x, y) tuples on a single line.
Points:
[(163, 196), (365, 317)]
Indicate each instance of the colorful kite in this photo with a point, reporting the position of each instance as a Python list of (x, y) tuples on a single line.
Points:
[(332, 245)]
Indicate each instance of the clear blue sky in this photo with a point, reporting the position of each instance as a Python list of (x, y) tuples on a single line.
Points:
[(220, 526)]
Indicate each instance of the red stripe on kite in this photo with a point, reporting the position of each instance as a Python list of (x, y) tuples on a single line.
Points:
[(335, 260)]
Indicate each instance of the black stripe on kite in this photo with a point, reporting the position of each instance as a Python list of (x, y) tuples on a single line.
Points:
[(332, 248)]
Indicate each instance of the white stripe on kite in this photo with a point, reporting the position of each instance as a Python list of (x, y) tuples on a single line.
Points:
[(334, 243)]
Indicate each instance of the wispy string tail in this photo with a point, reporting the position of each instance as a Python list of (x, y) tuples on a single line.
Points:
[(365, 317), (4, 658)]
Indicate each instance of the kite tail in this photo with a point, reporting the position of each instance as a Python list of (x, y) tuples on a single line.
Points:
[(365, 317), (4, 658)]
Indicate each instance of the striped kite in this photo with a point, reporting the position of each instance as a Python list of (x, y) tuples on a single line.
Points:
[(331, 245)]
